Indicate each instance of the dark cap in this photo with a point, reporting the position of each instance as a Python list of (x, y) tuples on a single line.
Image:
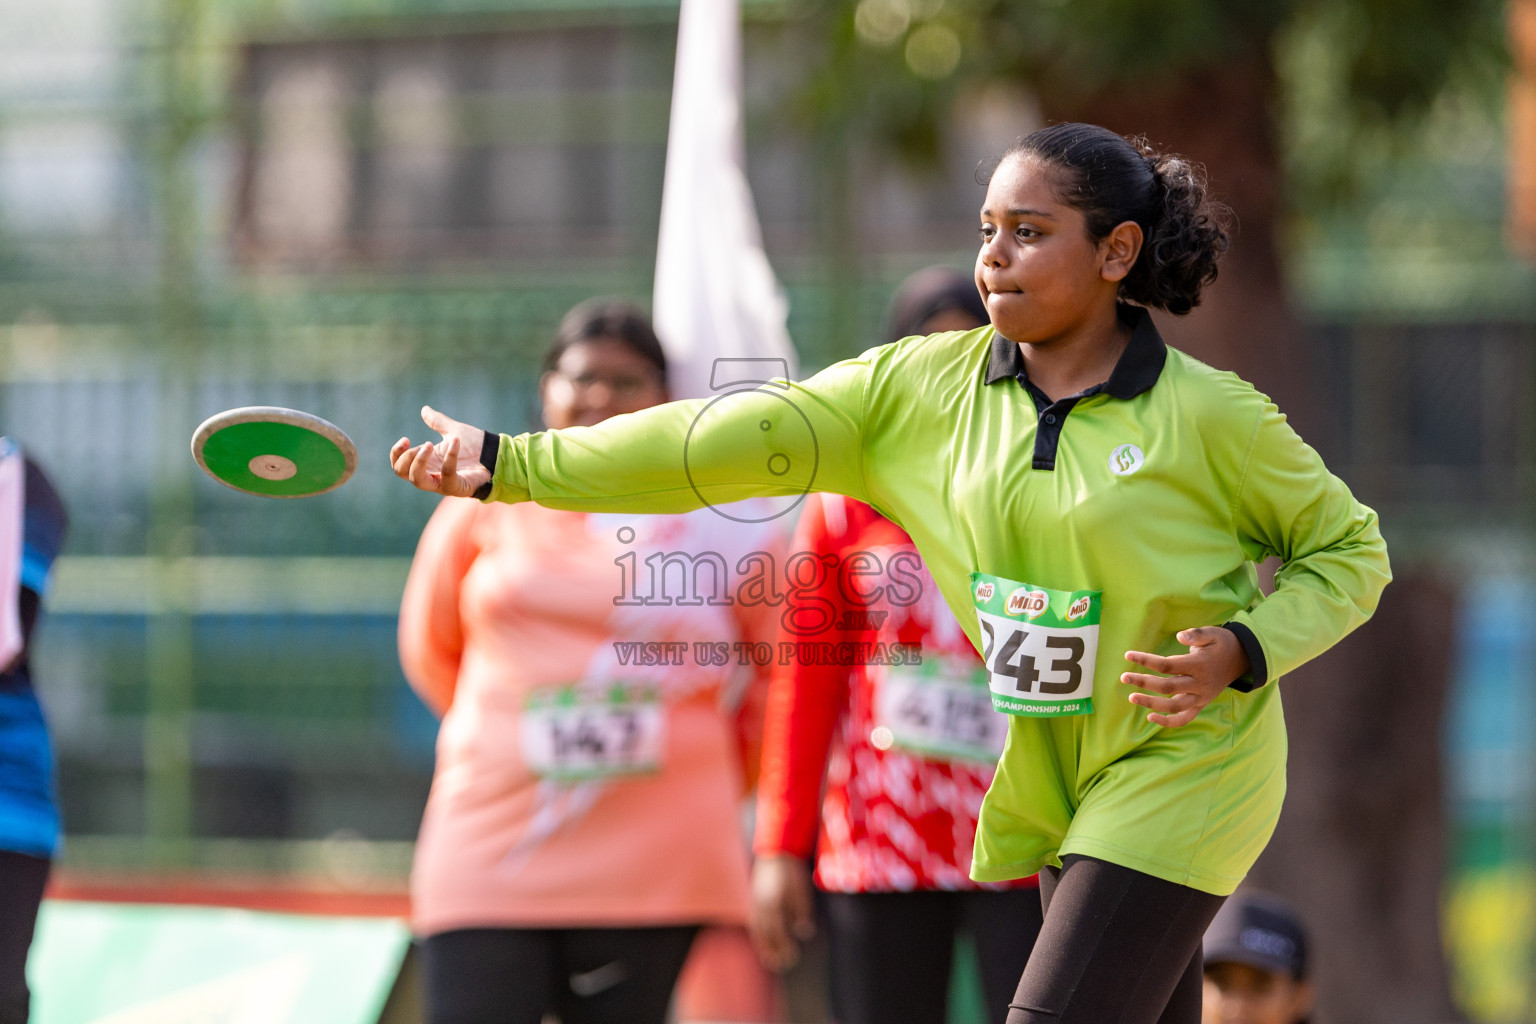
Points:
[(1261, 930)]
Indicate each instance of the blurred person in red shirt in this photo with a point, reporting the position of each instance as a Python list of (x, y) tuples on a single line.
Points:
[(908, 752)]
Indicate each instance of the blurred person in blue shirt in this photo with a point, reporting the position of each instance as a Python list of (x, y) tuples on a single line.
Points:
[(29, 814)]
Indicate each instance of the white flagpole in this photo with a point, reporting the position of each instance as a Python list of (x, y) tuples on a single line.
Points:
[(12, 512), (715, 295)]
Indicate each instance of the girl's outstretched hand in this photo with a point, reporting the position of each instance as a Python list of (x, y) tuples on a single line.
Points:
[(1189, 681), (451, 466)]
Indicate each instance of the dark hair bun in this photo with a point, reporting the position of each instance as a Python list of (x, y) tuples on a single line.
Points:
[(1111, 179), (1183, 246)]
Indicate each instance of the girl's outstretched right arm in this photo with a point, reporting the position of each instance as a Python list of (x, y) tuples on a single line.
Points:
[(781, 438)]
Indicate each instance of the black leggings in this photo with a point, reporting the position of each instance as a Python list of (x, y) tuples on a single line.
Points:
[(891, 952), (583, 975), (1118, 947), (22, 879)]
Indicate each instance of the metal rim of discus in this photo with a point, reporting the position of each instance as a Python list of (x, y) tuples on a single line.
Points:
[(274, 452)]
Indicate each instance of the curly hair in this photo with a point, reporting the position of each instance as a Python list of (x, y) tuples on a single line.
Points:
[(1111, 179)]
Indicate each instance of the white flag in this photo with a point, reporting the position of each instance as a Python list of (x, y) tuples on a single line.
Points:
[(12, 512), (716, 296)]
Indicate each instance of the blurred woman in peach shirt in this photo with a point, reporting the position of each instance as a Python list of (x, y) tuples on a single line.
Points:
[(583, 822)]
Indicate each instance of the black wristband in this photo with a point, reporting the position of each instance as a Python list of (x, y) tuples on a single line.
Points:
[(1258, 668), (490, 448)]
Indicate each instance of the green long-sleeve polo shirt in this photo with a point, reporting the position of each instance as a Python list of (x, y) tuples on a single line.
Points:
[(1159, 489)]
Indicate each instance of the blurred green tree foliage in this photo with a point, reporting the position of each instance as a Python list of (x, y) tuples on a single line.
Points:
[(1350, 76)]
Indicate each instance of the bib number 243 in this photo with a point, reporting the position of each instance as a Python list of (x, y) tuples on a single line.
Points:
[(1039, 645)]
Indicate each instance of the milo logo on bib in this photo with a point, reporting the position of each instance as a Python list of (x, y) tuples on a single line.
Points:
[(1039, 645), (1028, 603)]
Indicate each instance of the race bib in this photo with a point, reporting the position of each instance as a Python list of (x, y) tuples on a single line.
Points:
[(570, 734), (938, 710), (1039, 645)]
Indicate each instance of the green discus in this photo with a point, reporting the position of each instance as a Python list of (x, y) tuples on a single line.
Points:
[(274, 452)]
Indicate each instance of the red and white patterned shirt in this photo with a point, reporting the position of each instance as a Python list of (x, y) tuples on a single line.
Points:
[(891, 819)]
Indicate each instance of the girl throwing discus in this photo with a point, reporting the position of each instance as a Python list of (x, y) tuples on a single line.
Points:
[(1091, 504)]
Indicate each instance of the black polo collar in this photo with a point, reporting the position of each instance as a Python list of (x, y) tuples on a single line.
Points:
[(1137, 369)]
